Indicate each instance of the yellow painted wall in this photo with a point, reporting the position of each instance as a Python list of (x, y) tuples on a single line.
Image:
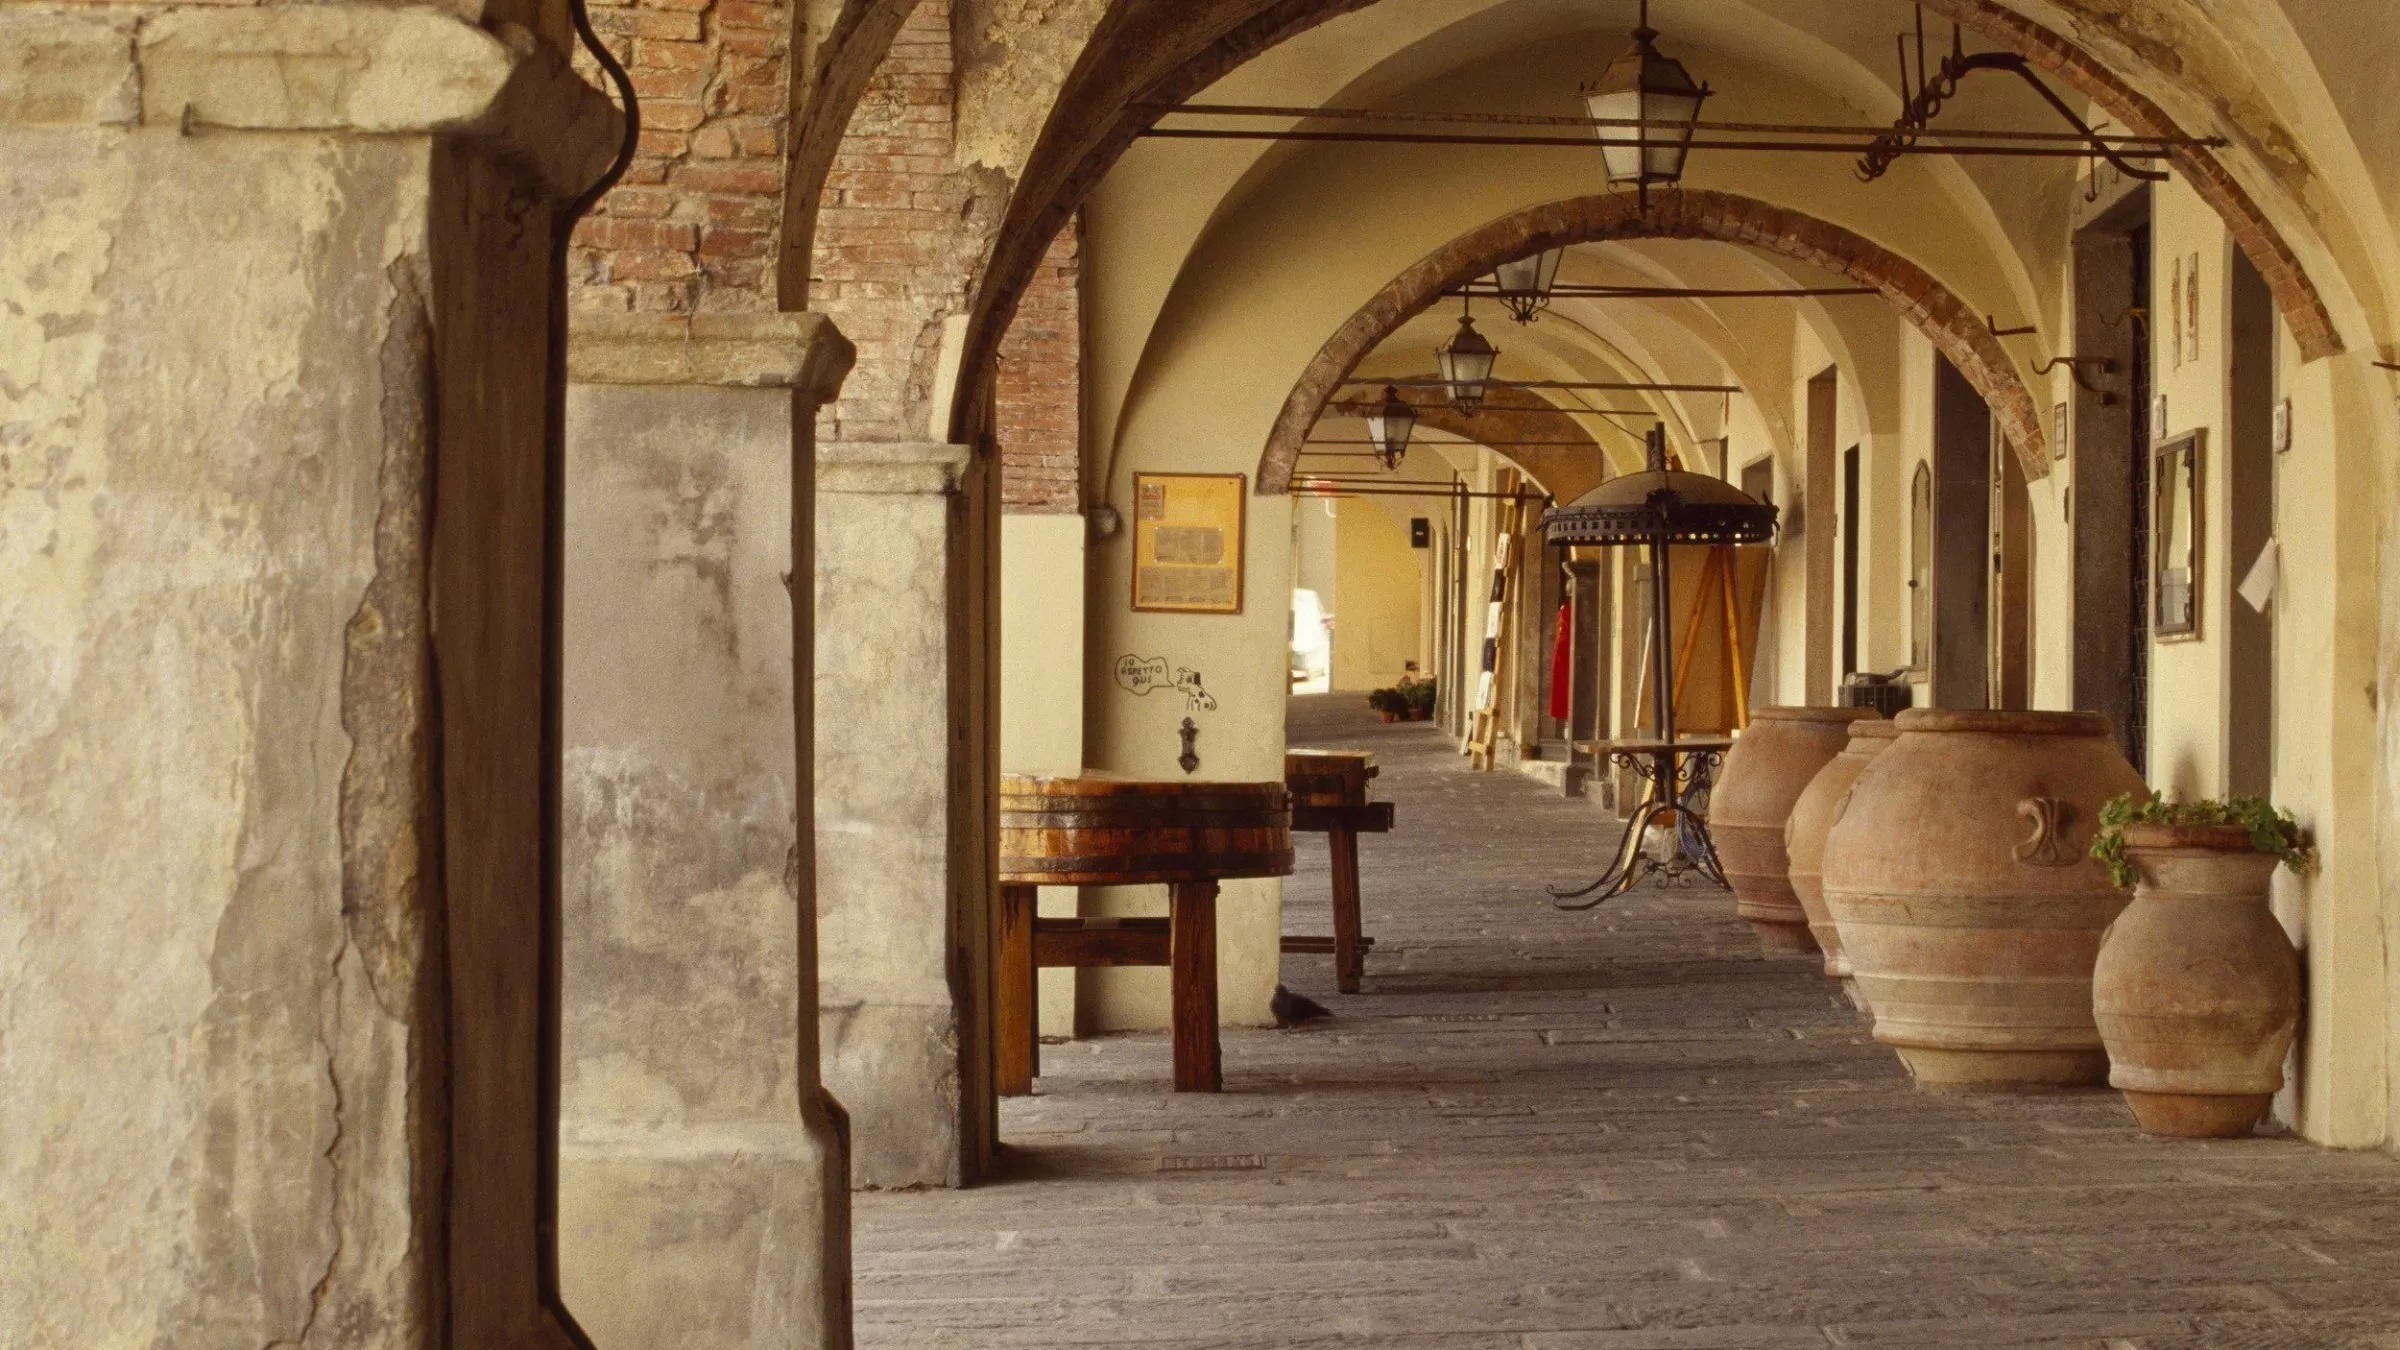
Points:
[(1379, 582)]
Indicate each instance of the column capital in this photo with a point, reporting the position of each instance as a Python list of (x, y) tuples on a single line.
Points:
[(890, 468), (370, 69), (803, 352)]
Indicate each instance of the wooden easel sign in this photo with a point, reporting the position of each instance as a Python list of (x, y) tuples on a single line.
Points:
[(1187, 542)]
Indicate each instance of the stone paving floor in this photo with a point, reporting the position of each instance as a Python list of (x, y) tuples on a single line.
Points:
[(1622, 1129)]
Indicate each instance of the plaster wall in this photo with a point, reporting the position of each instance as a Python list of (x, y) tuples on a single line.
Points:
[(685, 1170), (217, 979), (903, 905), (1041, 688), (1377, 609)]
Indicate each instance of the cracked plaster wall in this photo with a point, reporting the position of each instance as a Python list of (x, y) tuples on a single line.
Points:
[(212, 726), (686, 1172)]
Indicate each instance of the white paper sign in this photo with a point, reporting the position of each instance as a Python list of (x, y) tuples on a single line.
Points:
[(2258, 589)]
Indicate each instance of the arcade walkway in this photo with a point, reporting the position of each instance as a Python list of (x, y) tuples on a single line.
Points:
[(1616, 1130)]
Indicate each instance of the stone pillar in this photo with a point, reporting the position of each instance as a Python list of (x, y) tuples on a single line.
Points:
[(273, 690), (703, 1170), (903, 775)]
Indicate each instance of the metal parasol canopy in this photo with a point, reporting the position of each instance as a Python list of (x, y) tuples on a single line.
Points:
[(1657, 509)]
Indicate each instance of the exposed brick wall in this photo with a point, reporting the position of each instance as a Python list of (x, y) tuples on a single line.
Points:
[(1038, 398), (693, 224), (900, 234)]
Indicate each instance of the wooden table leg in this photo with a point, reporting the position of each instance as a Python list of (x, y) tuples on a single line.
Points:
[(1016, 1030), (1192, 921), (1348, 963)]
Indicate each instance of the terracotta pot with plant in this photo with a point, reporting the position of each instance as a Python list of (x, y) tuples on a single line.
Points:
[(2197, 990), (1389, 702)]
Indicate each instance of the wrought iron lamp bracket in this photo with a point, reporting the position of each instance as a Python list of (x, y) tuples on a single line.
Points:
[(1928, 93)]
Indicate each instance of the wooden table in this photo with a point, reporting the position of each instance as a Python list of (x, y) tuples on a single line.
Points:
[(1329, 797), (1676, 776), (1100, 830)]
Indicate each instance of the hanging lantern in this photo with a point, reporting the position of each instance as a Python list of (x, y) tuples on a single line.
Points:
[(1659, 97), (1525, 284), (1390, 426), (1467, 365)]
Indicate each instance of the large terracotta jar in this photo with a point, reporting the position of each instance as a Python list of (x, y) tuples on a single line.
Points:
[(1812, 817), (1959, 875), (2198, 988), (1764, 775)]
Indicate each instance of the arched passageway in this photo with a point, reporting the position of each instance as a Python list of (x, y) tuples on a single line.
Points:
[(299, 458)]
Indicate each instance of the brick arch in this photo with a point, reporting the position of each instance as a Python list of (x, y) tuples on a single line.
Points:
[(1161, 52), (842, 62), (1955, 329)]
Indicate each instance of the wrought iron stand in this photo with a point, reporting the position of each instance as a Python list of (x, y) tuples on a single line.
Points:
[(1656, 509)]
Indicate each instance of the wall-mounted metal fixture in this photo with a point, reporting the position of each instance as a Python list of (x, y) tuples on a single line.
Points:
[(1567, 290), (1467, 361), (1779, 137), (1925, 92), (1389, 426), (1622, 386), (2075, 365), (1190, 758), (1654, 94)]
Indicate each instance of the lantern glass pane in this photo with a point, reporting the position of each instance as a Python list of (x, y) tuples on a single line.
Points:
[(1530, 276), (1624, 162), (1669, 148)]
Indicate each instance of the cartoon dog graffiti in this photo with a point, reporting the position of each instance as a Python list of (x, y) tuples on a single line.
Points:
[(1140, 675)]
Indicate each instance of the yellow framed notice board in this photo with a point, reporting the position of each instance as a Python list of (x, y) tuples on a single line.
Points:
[(1187, 542)]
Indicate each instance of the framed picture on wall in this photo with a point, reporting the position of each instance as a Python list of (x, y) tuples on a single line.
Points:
[(2062, 426), (1187, 542), (2175, 534)]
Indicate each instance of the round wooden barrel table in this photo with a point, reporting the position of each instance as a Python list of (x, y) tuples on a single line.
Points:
[(1097, 829)]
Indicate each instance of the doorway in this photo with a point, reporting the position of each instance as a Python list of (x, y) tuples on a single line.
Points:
[(1962, 534), (1817, 537), (2111, 473), (1850, 550), (2250, 501)]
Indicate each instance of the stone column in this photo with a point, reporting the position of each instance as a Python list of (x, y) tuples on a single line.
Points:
[(703, 1170), (902, 766), (273, 689)]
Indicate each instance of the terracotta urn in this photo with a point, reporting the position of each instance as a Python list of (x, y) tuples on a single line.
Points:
[(1812, 817), (1959, 875), (2198, 987), (1764, 775)]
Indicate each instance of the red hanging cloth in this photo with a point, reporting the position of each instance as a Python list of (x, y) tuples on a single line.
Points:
[(1562, 664)]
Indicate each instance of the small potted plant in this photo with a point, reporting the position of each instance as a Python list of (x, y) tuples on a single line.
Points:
[(1418, 695), (2197, 990), (1389, 702)]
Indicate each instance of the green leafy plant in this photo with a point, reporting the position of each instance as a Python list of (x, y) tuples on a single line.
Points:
[(1387, 701), (2271, 830), (1417, 696)]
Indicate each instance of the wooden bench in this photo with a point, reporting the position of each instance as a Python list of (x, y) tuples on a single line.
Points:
[(1097, 830), (1329, 791)]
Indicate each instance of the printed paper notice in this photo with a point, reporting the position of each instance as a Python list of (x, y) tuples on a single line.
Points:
[(1187, 542)]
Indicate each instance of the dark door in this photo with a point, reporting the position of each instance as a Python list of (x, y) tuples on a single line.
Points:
[(1850, 519), (2111, 472), (1962, 536)]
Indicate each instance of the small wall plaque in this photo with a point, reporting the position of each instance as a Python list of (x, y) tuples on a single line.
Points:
[(2060, 426), (2158, 418), (1187, 542), (2283, 425)]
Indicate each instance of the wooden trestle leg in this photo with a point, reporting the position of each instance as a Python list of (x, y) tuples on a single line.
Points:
[(1016, 1030), (1192, 921), (1349, 962)]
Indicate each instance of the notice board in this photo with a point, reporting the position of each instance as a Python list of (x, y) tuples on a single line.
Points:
[(1187, 542)]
